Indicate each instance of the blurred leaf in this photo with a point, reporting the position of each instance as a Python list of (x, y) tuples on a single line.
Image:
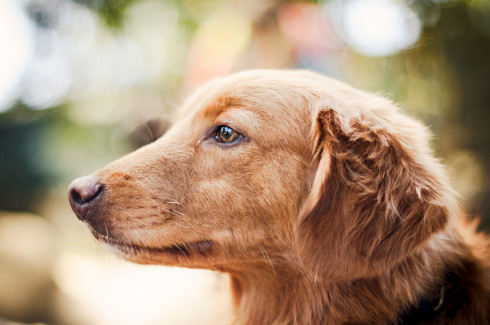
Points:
[(111, 11), (22, 177)]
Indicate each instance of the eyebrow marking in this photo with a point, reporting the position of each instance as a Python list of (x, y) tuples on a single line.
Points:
[(220, 105)]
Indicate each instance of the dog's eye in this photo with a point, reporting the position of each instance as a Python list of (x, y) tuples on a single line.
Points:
[(225, 134)]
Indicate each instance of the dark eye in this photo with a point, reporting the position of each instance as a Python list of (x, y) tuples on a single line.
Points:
[(225, 134)]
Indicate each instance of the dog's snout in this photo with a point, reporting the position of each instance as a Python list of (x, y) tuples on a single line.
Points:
[(84, 189), (82, 192)]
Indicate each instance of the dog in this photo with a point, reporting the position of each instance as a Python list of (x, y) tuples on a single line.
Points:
[(323, 203)]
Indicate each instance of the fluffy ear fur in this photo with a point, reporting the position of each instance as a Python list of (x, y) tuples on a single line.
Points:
[(372, 201)]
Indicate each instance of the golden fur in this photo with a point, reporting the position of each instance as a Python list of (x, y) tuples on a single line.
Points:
[(330, 210)]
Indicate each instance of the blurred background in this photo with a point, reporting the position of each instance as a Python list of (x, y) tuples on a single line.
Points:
[(79, 79)]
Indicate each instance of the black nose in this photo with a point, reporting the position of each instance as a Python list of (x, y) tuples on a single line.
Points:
[(82, 193)]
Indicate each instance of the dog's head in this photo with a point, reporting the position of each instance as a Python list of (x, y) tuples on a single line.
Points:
[(273, 165)]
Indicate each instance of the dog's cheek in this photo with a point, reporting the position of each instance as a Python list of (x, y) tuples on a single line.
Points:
[(245, 192), (224, 208), (280, 182)]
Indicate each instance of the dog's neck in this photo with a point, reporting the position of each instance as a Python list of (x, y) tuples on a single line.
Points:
[(270, 294)]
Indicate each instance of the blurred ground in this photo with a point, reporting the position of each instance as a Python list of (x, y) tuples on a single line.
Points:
[(80, 77)]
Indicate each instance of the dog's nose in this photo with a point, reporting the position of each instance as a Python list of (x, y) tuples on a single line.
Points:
[(82, 192)]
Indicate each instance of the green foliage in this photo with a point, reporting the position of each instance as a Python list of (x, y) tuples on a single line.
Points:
[(111, 11), (22, 176)]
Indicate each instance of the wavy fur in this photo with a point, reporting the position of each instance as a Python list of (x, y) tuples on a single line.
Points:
[(331, 209)]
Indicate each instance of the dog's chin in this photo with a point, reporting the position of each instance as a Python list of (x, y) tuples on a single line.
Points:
[(143, 254)]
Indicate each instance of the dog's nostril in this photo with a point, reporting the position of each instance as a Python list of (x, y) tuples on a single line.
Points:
[(84, 190), (75, 195)]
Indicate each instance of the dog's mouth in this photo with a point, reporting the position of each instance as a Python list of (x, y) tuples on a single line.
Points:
[(133, 249)]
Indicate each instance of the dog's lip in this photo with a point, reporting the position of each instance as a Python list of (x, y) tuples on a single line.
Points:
[(131, 248)]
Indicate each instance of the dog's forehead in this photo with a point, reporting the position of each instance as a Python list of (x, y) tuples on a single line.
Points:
[(262, 95)]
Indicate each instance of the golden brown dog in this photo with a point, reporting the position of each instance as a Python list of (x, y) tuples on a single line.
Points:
[(323, 203)]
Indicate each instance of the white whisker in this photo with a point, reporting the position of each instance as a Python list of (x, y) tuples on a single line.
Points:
[(187, 228), (177, 212), (159, 208), (138, 221), (182, 251), (170, 200), (106, 231), (268, 258)]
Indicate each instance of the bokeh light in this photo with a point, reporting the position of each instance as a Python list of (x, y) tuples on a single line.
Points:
[(15, 51), (377, 27)]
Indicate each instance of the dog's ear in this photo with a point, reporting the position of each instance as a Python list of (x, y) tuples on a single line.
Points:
[(373, 200)]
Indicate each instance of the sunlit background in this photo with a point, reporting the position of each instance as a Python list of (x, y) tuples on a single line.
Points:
[(78, 78)]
